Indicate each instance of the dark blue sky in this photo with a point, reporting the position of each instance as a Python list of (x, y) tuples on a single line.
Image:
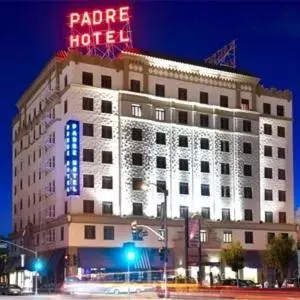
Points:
[(268, 37)]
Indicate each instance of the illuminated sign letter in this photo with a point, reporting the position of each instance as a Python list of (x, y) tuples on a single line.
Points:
[(96, 35), (124, 15), (110, 38), (86, 19), (124, 38), (74, 18), (110, 15), (85, 39), (97, 17), (74, 41)]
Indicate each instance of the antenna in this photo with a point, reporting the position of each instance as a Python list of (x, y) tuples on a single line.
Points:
[(224, 56)]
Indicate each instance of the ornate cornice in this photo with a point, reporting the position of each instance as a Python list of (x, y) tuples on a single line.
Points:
[(273, 92)]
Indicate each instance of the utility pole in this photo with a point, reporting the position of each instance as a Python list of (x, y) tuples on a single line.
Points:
[(186, 247), (199, 254), (166, 243)]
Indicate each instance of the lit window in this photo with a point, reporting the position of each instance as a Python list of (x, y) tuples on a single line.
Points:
[(160, 114), (136, 110), (227, 237)]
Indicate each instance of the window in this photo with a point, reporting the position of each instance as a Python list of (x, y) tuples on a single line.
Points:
[(281, 196), (136, 110), (247, 170), (268, 217), (107, 157), (137, 184), (245, 104), (205, 213), (160, 186), (225, 146), (65, 106), (135, 85), (107, 208), (159, 114), (204, 120), (106, 107), (203, 236), (136, 134), (270, 237), (247, 148), (182, 117), (137, 159), (90, 232), (268, 129), (160, 138), (280, 131), (106, 82), (248, 215), (183, 165), (203, 97), (88, 206), (281, 153), (247, 192), (282, 217), (267, 108), (246, 126), (87, 103), (88, 181), (87, 78), (268, 173), (224, 123), (225, 214), (108, 233), (224, 101), (160, 90), (183, 188), (62, 233), (225, 169), (205, 190), (88, 155), (204, 144), (280, 110), (227, 236), (183, 141), (183, 211), (268, 151), (66, 207), (281, 174), (158, 211), (65, 81), (284, 235), (160, 162), (88, 129), (107, 132), (204, 166), (182, 94), (225, 191), (268, 195), (137, 209), (107, 182), (248, 237)]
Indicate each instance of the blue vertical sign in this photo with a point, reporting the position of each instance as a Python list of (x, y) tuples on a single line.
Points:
[(72, 158)]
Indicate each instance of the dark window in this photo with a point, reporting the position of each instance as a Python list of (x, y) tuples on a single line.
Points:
[(160, 138), (247, 148), (204, 97), (205, 213), (183, 165), (247, 170), (182, 117), (88, 129), (106, 81), (281, 196), (108, 233), (65, 81), (225, 214), (136, 134), (248, 216), (62, 233), (224, 101), (224, 146), (281, 153), (88, 155), (280, 110), (183, 141), (137, 209), (280, 131), (281, 174), (268, 217), (267, 108), (183, 188), (107, 157), (182, 94), (225, 191), (204, 144), (225, 169), (160, 186), (66, 106), (284, 235), (137, 159), (88, 181), (88, 206), (282, 217), (246, 125), (107, 132), (205, 190), (204, 166), (247, 192), (66, 207), (137, 184), (160, 90), (135, 85), (158, 211), (245, 104), (89, 232), (87, 103), (268, 173), (204, 120), (183, 211), (87, 78), (248, 237), (106, 107), (268, 129), (268, 195), (107, 208), (270, 237), (160, 162), (268, 151), (224, 123), (107, 182)]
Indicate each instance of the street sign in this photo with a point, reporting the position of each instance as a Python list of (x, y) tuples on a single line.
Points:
[(162, 233)]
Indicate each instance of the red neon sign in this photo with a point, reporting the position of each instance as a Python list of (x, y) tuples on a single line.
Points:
[(99, 27)]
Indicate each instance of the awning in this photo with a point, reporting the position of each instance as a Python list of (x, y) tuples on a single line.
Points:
[(253, 259), (55, 258), (9, 264), (143, 259)]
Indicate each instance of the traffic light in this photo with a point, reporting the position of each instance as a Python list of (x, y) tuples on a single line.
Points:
[(161, 252), (38, 265), (67, 261), (75, 260), (137, 233), (130, 251)]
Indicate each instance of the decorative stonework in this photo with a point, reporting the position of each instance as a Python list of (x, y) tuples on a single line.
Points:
[(273, 92)]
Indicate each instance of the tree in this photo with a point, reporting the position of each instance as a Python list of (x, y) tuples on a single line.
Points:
[(233, 256)]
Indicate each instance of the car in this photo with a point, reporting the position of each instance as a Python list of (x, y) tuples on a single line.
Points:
[(2, 287), (12, 289), (241, 283)]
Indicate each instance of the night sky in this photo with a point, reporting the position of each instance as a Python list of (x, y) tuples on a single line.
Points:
[(268, 38)]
